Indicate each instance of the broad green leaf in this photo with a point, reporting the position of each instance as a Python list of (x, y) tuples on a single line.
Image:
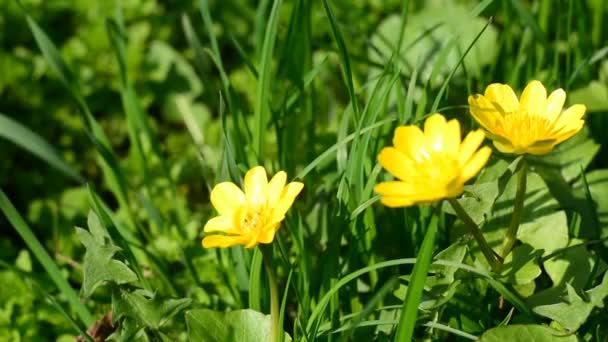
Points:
[(572, 310), (33, 143), (526, 333), (547, 233), (520, 265), (594, 96), (240, 325), (99, 266)]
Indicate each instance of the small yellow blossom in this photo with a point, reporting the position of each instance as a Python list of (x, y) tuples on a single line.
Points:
[(253, 216), (430, 165), (534, 124)]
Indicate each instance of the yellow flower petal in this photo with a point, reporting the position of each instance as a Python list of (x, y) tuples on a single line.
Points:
[(474, 165), (275, 188), (484, 112), (411, 141), (287, 197), (570, 118), (555, 103), (395, 188), (220, 224), (396, 202), (395, 162), (534, 98), (256, 183), (224, 241), (434, 130), (226, 198), (469, 145), (503, 96), (267, 235), (451, 140), (504, 146)]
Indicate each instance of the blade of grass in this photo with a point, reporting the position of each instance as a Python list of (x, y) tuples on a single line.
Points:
[(327, 153), (409, 312), (344, 59), (36, 145), (255, 281), (453, 72), (45, 259), (263, 95)]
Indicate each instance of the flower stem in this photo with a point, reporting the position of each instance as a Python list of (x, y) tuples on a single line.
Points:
[(274, 293), (518, 207), (493, 259)]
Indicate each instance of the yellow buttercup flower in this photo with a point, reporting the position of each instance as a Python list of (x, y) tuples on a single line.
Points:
[(430, 165), (533, 124), (253, 216)]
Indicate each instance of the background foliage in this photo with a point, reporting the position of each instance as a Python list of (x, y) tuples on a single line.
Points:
[(131, 111)]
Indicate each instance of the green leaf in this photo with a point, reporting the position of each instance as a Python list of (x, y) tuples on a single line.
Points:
[(99, 265), (520, 267), (525, 333), (572, 311), (146, 309), (430, 31), (594, 96), (240, 325), (33, 143)]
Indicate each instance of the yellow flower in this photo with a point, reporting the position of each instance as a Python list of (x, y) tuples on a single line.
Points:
[(430, 165), (251, 217), (533, 124)]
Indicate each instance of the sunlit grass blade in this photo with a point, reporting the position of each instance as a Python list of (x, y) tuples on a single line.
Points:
[(35, 144), (263, 95), (45, 259), (409, 313), (255, 281)]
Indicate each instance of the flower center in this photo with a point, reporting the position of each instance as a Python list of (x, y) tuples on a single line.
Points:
[(439, 169), (252, 219), (525, 128)]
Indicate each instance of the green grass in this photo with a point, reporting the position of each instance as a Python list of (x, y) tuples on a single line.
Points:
[(133, 112)]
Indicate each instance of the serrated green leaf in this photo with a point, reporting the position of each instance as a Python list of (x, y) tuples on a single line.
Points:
[(146, 309), (99, 266), (240, 325), (525, 333)]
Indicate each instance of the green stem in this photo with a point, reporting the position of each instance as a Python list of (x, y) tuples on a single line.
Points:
[(518, 208), (493, 259), (274, 293)]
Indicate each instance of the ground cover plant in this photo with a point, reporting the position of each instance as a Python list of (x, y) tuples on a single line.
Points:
[(303, 170)]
